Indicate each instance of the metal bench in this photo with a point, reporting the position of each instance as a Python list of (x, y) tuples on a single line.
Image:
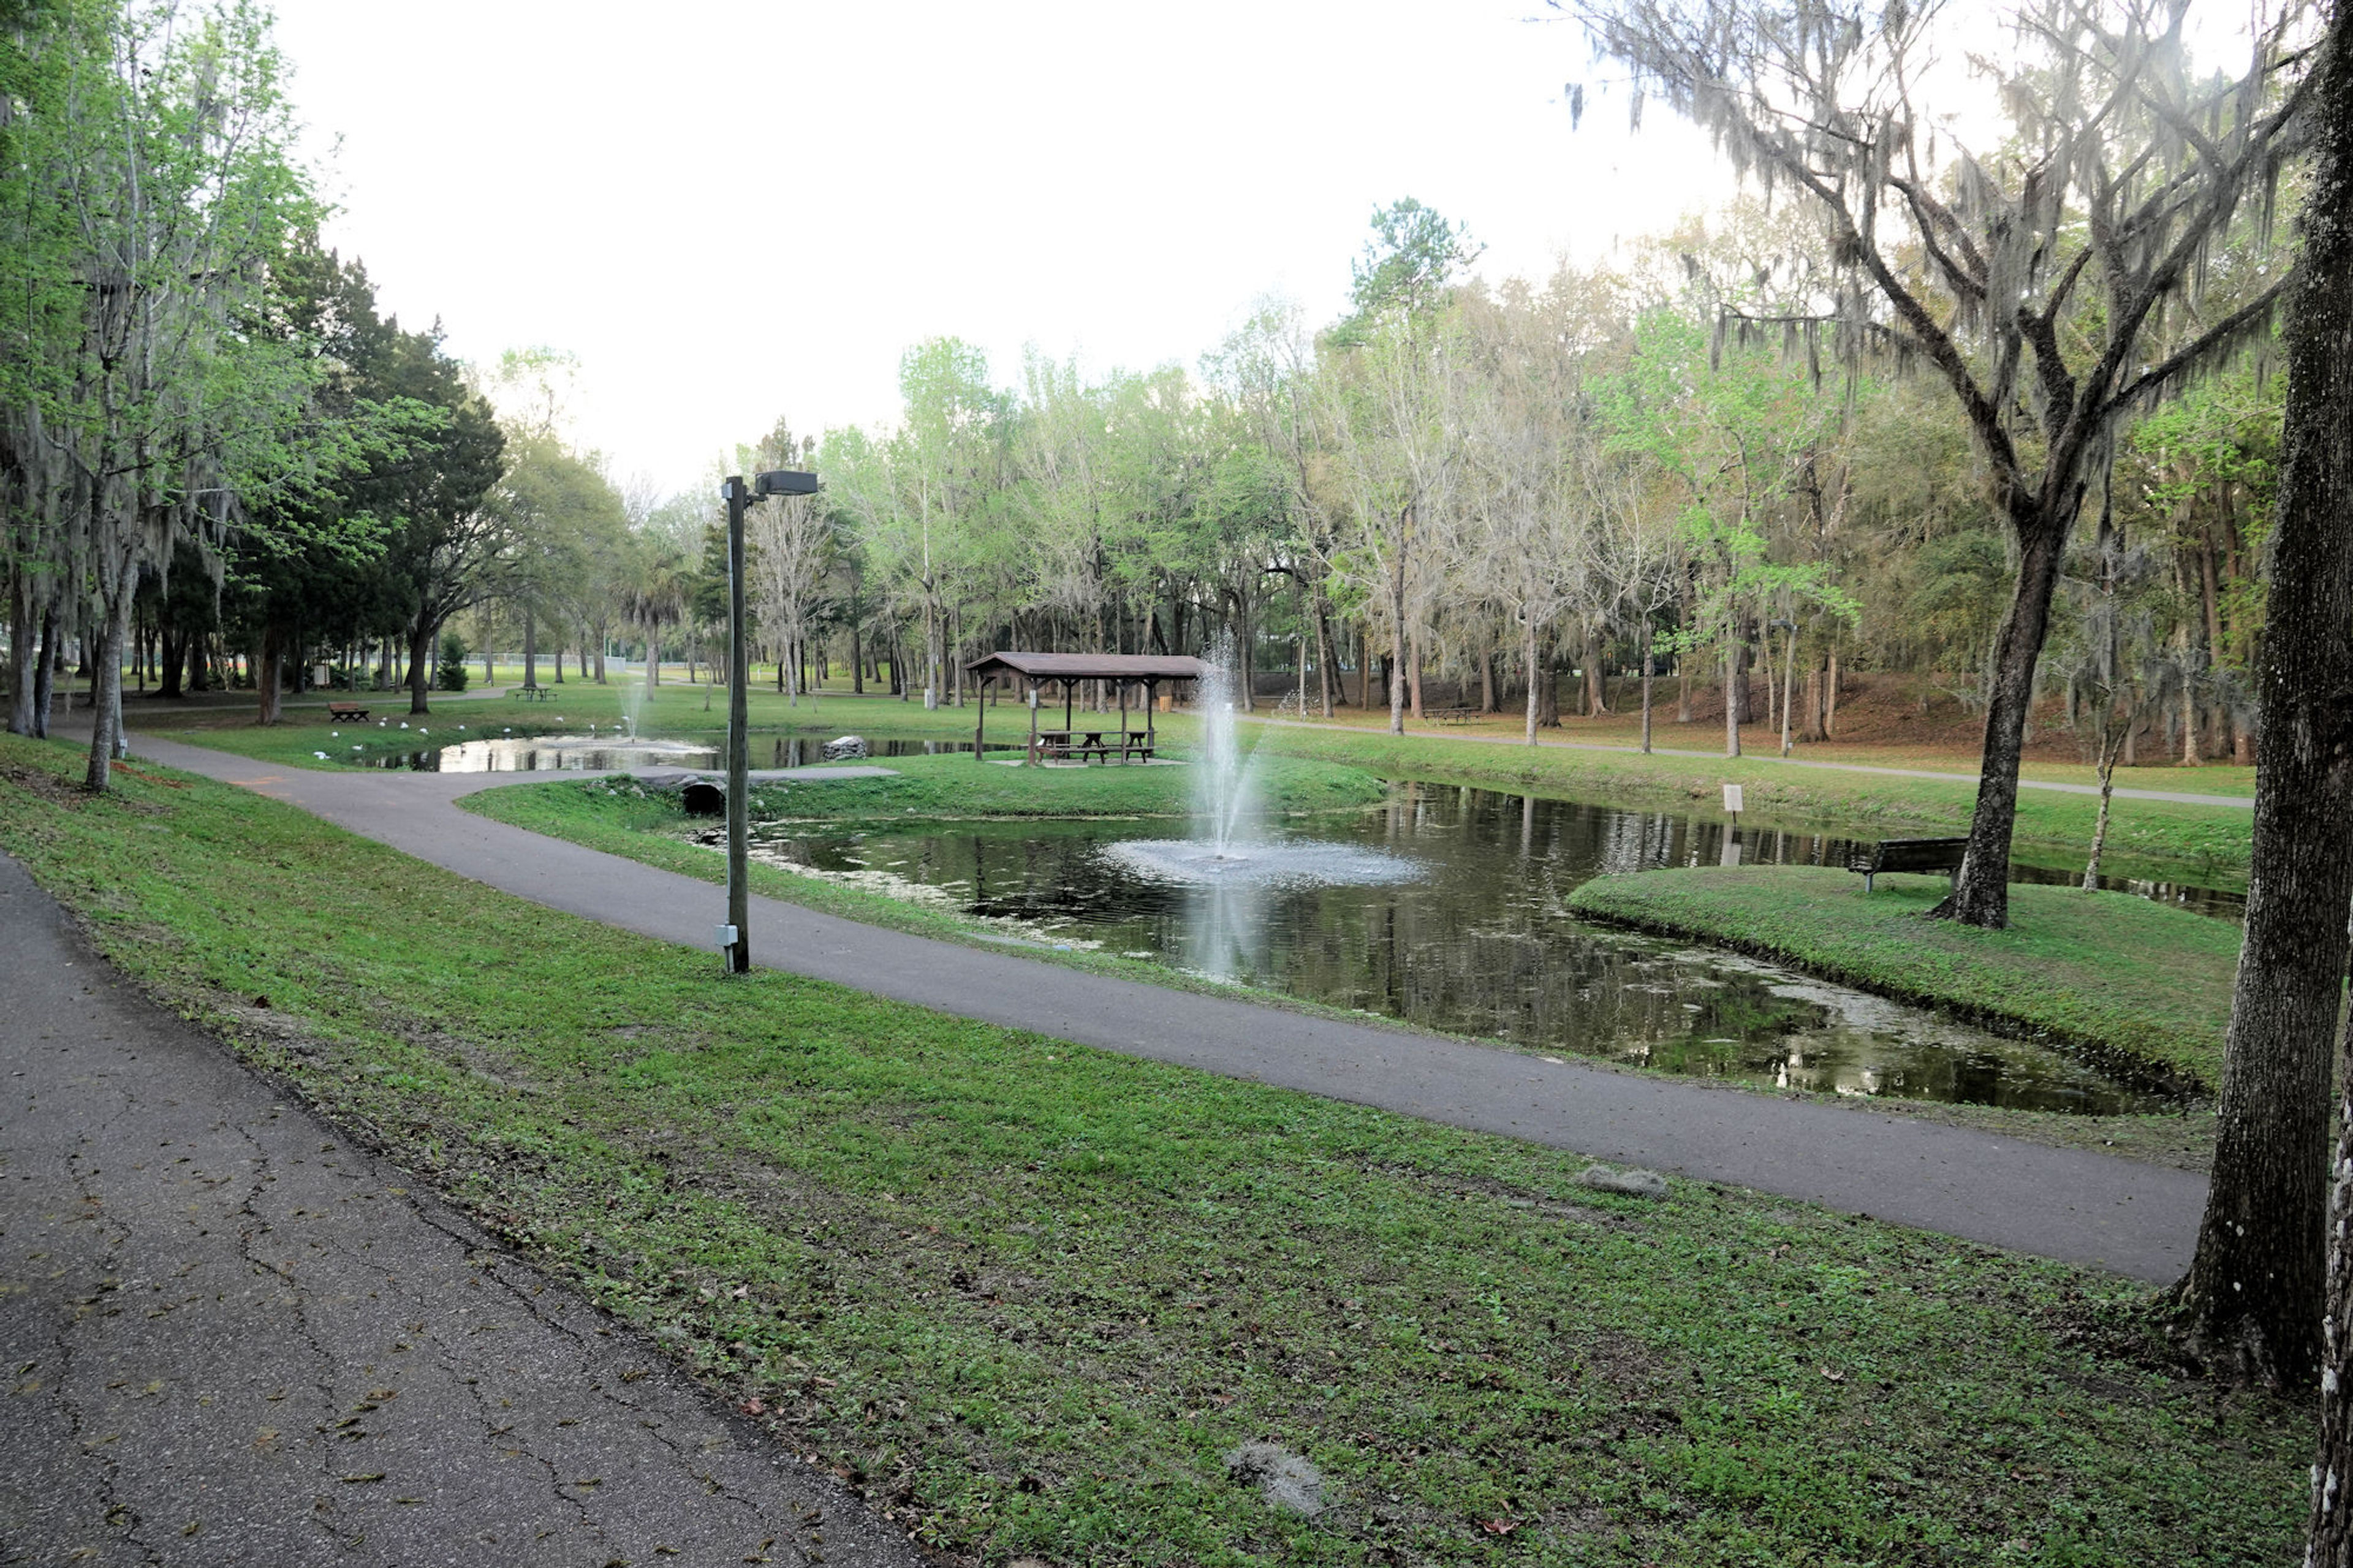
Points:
[(1907, 855)]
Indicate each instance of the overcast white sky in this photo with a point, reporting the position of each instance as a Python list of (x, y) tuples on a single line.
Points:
[(734, 210)]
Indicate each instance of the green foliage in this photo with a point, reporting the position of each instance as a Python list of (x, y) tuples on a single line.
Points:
[(452, 669)]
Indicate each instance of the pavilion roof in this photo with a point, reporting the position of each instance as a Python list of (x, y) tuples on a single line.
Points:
[(1089, 666)]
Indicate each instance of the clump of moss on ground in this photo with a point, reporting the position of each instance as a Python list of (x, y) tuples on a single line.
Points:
[(2144, 988), (1025, 1295)]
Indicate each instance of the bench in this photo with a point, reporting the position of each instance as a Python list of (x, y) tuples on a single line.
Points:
[(340, 713), (1907, 855), (535, 693)]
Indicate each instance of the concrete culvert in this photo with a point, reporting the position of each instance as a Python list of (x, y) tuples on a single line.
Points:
[(704, 799), (1287, 1481)]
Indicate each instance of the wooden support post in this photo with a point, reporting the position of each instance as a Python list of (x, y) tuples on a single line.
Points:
[(1032, 697), (1123, 723)]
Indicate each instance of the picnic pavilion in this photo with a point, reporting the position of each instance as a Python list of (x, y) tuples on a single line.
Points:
[(1125, 671)]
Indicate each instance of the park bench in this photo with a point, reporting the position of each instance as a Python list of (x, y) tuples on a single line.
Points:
[(1907, 855), (342, 712)]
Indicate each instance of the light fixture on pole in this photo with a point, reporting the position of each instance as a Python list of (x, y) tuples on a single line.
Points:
[(736, 936)]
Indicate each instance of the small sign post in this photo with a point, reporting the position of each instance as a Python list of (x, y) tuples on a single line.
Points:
[(1732, 806)]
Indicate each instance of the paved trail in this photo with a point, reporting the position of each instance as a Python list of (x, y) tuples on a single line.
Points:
[(232, 1338), (2135, 1218)]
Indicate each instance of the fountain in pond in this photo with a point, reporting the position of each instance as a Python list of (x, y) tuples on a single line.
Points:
[(1233, 850)]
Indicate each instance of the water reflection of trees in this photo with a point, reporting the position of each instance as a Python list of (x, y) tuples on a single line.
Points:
[(1480, 945)]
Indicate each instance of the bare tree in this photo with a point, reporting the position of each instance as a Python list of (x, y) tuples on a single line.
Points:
[(791, 540), (2028, 278)]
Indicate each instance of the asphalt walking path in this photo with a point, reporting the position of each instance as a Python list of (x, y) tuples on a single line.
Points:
[(2136, 1219), (2240, 802), (231, 1337)]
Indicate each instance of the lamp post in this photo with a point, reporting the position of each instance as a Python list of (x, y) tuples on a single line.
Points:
[(736, 936)]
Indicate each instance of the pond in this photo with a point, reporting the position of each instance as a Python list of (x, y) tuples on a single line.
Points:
[(1470, 938)]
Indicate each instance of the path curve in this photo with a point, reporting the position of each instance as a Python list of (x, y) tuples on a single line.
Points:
[(2134, 1218), (233, 1338)]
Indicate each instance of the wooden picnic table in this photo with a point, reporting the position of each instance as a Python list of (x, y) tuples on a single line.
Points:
[(342, 710), (1081, 744), (540, 693)]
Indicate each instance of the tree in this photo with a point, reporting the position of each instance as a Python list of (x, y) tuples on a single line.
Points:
[(160, 169), (2259, 1273), (556, 506), (789, 543), (2042, 269)]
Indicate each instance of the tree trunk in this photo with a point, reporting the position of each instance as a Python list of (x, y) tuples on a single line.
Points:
[(1980, 894), (26, 645), (1413, 672), (529, 649), (1788, 685), (2258, 1288), (1830, 700), (106, 684), (1597, 683), (1647, 661), (421, 667), (1731, 690), (1396, 629), (1528, 647), (269, 675)]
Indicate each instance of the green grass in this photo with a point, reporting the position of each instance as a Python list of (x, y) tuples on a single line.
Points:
[(2206, 845), (2143, 986), (952, 786), (1025, 1294)]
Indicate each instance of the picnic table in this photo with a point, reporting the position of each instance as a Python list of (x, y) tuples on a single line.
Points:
[(1080, 744), (535, 693), (340, 711)]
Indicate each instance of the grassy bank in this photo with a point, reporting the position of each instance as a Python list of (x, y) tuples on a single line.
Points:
[(952, 787), (2160, 839), (2143, 986), (1025, 1295)]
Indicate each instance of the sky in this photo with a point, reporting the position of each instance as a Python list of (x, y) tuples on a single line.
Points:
[(734, 211)]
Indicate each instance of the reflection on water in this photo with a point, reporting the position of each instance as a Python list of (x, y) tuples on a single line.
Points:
[(615, 752), (1477, 944)]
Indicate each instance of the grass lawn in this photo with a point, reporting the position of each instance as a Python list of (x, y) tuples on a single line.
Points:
[(944, 788), (2164, 840), (2146, 985), (1025, 1295)]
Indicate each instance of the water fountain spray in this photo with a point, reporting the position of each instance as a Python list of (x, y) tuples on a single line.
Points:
[(1221, 786)]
